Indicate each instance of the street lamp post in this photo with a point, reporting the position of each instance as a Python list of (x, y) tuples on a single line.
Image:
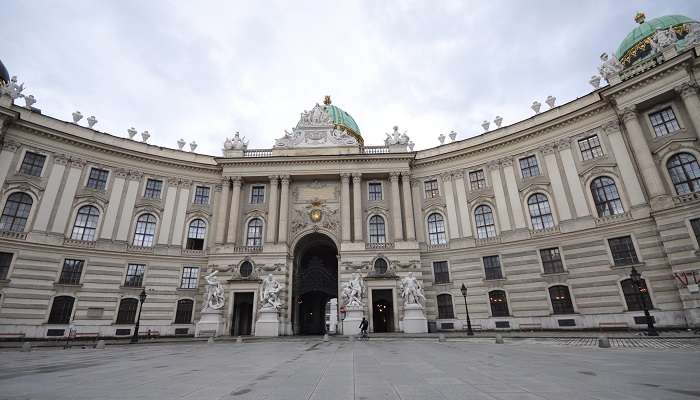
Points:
[(135, 336), (463, 289), (636, 278)]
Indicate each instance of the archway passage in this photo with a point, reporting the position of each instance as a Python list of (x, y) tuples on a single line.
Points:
[(315, 282), (382, 310)]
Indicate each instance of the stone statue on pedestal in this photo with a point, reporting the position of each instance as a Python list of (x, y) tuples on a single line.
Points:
[(352, 291), (411, 290), (269, 293), (609, 67), (214, 295)]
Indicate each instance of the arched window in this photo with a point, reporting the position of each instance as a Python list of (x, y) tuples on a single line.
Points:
[(16, 212), (127, 311), (376, 229), (632, 297), (196, 234), (61, 310), (380, 266), (85, 227), (183, 315), (436, 229), (255, 232), (606, 197), (499, 303), (245, 269), (145, 230), (540, 212), (561, 300), (445, 309), (685, 173), (485, 224)]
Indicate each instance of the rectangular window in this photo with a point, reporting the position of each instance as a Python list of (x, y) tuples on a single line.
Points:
[(442, 273), (32, 164), (71, 272), (529, 167), (590, 148), (431, 189), (375, 191), (477, 179), (551, 261), (134, 275), (153, 189), (664, 122), (257, 194), (97, 179), (445, 309), (623, 252), (695, 224), (492, 267), (201, 195), (5, 261), (189, 278)]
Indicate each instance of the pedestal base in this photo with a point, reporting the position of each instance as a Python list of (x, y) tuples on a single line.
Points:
[(353, 317), (210, 324), (268, 323), (414, 320)]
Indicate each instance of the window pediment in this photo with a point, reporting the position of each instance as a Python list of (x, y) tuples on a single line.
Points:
[(598, 169)]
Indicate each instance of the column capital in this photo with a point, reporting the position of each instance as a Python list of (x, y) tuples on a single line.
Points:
[(506, 161), (274, 178), (135, 175), (345, 177), (611, 127), (173, 181), (406, 176), (564, 143), (10, 145), (60, 159), (493, 165), (547, 148), (629, 113), (218, 187), (237, 181), (686, 90), (121, 173), (394, 176), (285, 179), (356, 177), (185, 183), (446, 176), (77, 163)]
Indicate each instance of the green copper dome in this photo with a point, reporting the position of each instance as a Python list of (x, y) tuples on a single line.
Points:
[(342, 120), (637, 42)]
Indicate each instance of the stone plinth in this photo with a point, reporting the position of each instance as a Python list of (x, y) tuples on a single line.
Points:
[(268, 324), (353, 317), (414, 320), (210, 324)]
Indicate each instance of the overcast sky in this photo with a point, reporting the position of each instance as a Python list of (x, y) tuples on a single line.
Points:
[(201, 70)]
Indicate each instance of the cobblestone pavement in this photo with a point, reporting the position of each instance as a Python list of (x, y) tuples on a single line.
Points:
[(529, 369)]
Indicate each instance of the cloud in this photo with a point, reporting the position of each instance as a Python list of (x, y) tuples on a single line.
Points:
[(203, 70)]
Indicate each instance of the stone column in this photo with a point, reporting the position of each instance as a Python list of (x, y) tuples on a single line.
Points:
[(48, 200), (560, 198), (222, 210), (63, 212), (624, 163), (572, 178), (9, 148), (357, 206), (645, 161), (464, 217), (408, 206), (396, 206), (183, 199), (127, 210), (169, 211), (115, 198), (689, 94), (345, 206), (417, 209), (284, 208), (500, 194), (513, 193), (233, 211), (273, 207), (453, 227)]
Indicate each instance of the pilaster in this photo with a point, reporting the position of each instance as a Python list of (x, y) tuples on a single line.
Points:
[(396, 206), (453, 228), (345, 206), (232, 235), (273, 207), (645, 161), (689, 94), (408, 206), (284, 208)]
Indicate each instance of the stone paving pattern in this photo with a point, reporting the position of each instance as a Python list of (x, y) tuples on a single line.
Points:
[(375, 369)]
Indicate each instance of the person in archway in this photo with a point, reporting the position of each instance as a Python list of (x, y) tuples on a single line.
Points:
[(363, 327)]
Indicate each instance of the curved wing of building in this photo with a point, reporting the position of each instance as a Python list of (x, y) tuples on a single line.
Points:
[(540, 222)]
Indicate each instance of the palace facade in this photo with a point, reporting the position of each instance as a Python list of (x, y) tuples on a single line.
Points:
[(542, 220)]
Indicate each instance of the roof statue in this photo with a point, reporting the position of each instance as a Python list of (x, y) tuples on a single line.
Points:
[(236, 143), (12, 89), (609, 67), (324, 126)]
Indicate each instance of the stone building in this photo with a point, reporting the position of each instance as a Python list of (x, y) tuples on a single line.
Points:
[(541, 220)]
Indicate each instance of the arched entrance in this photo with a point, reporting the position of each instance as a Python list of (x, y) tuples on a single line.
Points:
[(315, 282)]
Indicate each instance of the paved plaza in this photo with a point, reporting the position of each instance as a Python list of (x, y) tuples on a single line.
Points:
[(377, 369)]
